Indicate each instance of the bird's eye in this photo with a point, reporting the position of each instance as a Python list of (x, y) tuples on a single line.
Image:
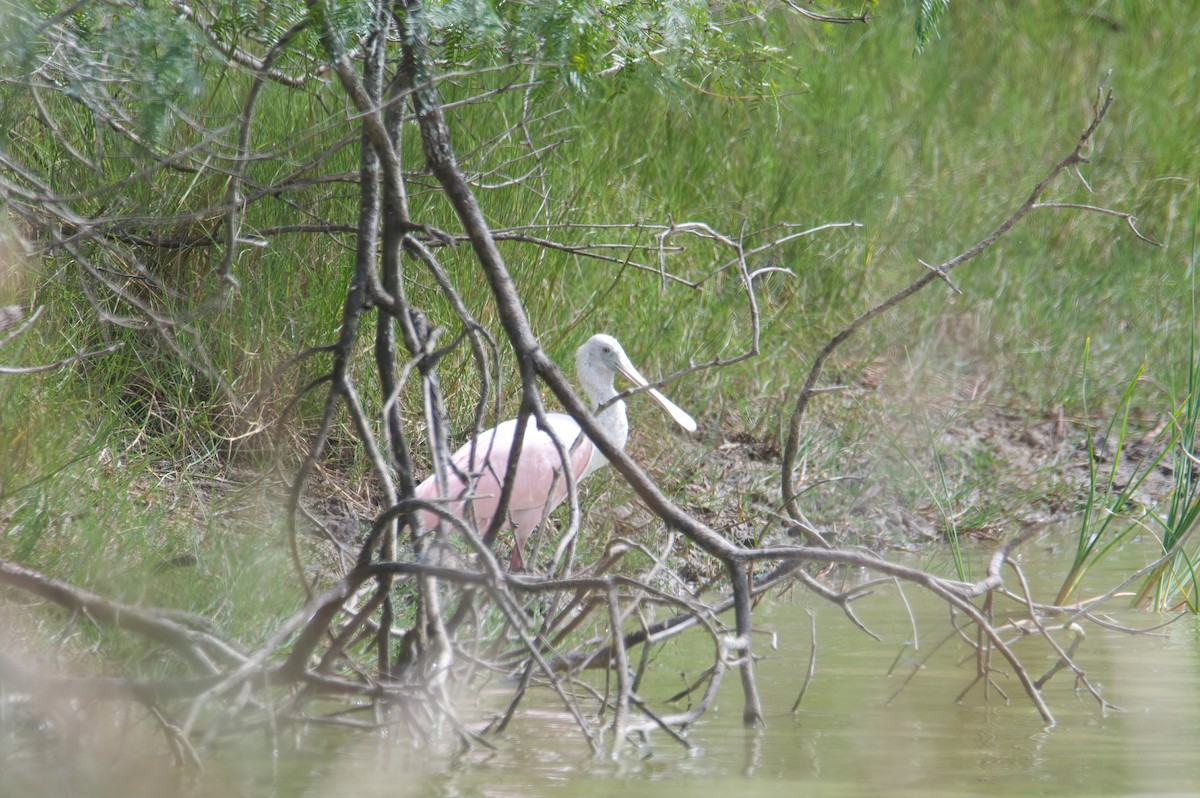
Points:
[(606, 349)]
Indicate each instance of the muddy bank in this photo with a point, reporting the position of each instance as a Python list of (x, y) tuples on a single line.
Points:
[(984, 471), (874, 472)]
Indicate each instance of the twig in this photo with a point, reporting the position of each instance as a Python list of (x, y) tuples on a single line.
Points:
[(812, 661), (792, 442)]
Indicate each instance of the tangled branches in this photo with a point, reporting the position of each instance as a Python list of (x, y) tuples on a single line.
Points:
[(420, 616)]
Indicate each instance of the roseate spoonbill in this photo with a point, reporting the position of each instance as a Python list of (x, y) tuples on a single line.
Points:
[(539, 470)]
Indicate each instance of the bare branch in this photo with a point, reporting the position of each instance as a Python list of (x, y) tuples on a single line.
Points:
[(792, 443)]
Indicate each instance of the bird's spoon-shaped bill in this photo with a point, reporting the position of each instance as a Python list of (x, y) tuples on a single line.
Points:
[(676, 412)]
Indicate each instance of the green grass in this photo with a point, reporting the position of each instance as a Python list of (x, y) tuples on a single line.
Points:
[(927, 152), (1112, 510), (1177, 581)]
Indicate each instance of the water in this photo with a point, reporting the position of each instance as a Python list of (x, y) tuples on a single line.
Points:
[(853, 734), (848, 738)]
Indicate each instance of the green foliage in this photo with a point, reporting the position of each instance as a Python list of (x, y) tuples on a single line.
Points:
[(16, 36), (237, 20), (351, 22), (150, 62), (1112, 513), (843, 125), (1105, 521), (467, 30), (165, 66), (587, 42), (948, 499), (929, 17), (1177, 581)]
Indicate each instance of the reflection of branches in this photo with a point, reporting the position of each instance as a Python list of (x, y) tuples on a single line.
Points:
[(303, 650)]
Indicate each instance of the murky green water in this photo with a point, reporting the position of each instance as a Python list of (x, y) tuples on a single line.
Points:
[(846, 739)]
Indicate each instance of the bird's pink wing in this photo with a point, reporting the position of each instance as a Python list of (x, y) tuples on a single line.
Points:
[(540, 485)]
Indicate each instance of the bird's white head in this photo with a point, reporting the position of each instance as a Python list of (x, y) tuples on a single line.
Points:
[(600, 359)]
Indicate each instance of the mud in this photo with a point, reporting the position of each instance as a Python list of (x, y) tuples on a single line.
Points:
[(984, 472)]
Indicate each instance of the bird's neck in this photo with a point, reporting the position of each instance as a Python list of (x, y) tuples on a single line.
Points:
[(612, 418), (614, 422)]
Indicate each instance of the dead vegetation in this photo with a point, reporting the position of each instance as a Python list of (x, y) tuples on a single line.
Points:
[(404, 618)]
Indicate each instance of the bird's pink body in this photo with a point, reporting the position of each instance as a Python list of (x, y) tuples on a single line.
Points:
[(540, 484)]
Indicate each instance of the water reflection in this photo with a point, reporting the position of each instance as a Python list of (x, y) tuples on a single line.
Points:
[(846, 739)]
